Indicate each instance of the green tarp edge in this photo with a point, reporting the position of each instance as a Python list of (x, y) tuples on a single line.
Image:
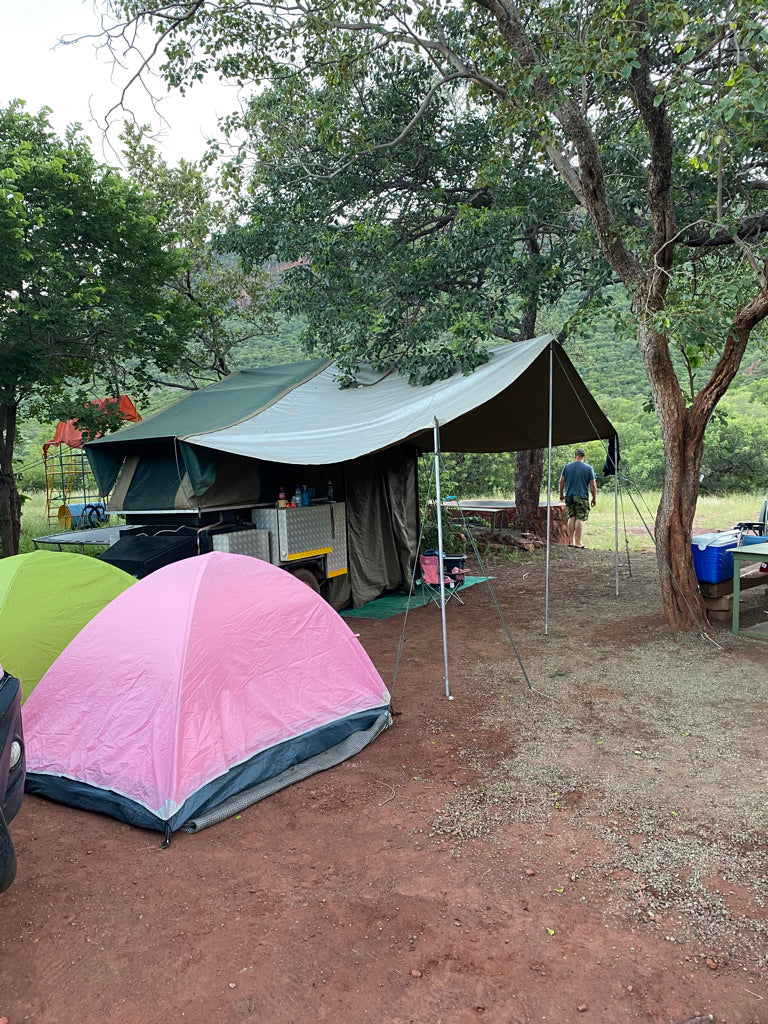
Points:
[(221, 404)]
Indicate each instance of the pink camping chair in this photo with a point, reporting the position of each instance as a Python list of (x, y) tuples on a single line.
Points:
[(453, 578)]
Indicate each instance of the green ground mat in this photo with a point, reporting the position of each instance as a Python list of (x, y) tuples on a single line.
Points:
[(395, 604)]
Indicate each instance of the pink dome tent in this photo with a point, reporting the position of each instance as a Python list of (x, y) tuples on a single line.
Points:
[(204, 687)]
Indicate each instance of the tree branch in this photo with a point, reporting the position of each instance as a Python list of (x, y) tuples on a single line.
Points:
[(659, 188), (750, 230), (747, 318), (588, 183)]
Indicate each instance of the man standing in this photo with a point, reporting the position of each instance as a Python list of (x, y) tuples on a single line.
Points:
[(577, 482)]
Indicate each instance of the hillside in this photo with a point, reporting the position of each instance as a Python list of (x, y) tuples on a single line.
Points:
[(605, 352)]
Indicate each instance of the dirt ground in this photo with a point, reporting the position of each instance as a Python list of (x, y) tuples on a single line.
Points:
[(593, 849)]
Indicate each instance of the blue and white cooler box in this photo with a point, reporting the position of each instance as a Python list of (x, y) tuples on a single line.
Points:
[(712, 560)]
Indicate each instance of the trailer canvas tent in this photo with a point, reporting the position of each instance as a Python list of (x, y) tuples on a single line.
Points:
[(232, 444)]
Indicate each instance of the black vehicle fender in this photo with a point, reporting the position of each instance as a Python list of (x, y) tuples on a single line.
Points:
[(11, 778), (7, 856)]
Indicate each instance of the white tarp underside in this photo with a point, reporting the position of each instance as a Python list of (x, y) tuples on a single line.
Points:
[(319, 423)]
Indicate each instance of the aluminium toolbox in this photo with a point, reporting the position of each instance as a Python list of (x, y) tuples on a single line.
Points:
[(712, 559), (306, 533)]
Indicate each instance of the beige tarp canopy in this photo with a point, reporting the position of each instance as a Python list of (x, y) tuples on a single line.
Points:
[(299, 415), (501, 406)]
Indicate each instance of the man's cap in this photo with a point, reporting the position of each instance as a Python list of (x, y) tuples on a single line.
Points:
[(580, 451)]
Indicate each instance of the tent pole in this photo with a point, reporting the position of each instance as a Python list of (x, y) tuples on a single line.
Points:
[(439, 500), (615, 516), (549, 493)]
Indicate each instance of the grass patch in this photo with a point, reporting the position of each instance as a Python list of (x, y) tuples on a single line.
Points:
[(637, 513), (34, 521)]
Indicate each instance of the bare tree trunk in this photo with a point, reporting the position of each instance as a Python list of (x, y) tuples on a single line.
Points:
[(10, 502), (682, 430), (683, 454), (683, 437), (529, 469)]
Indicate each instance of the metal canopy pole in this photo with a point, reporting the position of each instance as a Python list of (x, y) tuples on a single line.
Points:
[(549, 494), (439, 500), (616, 515)]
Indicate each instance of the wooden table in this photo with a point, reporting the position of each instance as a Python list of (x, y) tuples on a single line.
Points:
[(742, 555), (497, 511)]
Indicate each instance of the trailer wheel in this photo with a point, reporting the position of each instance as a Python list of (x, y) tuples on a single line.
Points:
[(308, 577)]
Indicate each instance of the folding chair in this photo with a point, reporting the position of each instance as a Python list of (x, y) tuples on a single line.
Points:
[(453, 577), (759, 526)]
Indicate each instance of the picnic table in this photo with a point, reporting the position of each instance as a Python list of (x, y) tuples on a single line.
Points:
[(742, 555), (496, 512)]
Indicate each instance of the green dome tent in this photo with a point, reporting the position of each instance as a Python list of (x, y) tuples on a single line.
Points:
[(46, 597)]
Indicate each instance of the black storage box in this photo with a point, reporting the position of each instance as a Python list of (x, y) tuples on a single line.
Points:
[(451, 562), (140, 555)]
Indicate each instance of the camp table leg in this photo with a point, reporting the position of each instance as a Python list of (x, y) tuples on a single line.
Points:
[(736, 588)]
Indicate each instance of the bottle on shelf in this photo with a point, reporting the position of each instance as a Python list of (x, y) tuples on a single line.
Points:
[(330, 490), (282, 501), (304, 495)]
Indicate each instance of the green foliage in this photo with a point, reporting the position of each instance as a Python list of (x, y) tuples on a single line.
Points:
[(735, 443), (413, 256), (229, 307), (83, 303), (83, 268), (35, 523), (607, 358), (455, 541), (28, 454), (480, 476), (736, 446), (282, 344)]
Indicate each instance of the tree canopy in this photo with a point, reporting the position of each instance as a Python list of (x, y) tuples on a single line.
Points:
[(226, 306), (650, 112), (414, 256), (84, 309)]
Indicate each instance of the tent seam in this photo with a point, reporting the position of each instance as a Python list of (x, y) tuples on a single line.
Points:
[(267, 405)]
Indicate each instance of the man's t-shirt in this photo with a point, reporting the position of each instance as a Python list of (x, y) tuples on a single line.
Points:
[(577, 477)]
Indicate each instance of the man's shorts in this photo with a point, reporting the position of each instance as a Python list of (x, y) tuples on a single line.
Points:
[(577, 508)]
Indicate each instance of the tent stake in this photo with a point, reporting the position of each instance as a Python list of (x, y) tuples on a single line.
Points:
[(439, 500)]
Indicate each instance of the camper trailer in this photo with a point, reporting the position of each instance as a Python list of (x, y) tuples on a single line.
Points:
[(206, 474), (308, 541)]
